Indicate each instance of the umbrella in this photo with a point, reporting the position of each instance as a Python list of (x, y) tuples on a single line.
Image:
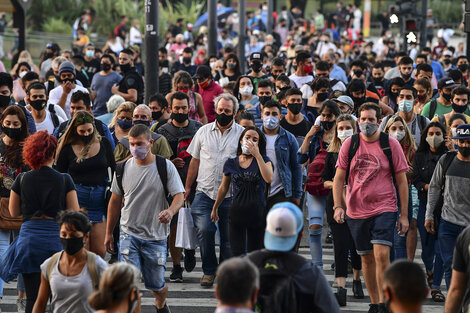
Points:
[(221, 13)]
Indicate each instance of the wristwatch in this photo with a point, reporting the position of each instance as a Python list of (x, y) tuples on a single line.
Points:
[(337, 206)]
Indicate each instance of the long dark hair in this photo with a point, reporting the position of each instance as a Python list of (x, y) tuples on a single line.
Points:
[(423, 144), (261, 141), (237, 68), (236, 89), (13, 154)]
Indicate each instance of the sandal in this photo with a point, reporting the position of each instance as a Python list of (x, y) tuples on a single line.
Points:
[(437, 296), (430, 278)]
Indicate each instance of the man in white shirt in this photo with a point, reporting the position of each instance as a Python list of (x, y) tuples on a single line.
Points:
[(44, 118), (304, 69), (61, 95), (325, 46)]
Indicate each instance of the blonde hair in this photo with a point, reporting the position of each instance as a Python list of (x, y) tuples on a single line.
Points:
[(336, 143), (123, 107), (407, 141), (71, 136), (25, 55)]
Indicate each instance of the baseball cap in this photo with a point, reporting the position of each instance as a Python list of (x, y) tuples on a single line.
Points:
[(67, 67), (202, 71), (90, 44), (447, 52), (299, 48), (346, 100), (256, 56), (446, 82), (283, 225), (463, 132)]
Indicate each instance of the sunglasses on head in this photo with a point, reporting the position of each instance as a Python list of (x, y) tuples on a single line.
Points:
[(84, 119)]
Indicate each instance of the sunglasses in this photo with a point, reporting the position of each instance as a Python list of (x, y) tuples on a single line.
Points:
[(85, 119)]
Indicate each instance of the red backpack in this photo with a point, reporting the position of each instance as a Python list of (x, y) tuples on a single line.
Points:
[(314, 184)]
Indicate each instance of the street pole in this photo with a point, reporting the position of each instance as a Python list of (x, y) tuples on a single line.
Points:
[(269, 27), (212, 25), (151, 48), (366, 26), (424, 35), (241, 34)]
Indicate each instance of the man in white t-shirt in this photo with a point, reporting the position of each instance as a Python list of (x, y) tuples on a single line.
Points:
[(304, 69), (61, 95), (44, 118)]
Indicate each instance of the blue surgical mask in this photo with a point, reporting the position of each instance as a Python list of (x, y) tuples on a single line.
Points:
[(124, 124), (90, 53), (270, 122), (405, 106)]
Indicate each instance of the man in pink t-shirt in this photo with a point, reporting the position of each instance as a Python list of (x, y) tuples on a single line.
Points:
[(371, 199)]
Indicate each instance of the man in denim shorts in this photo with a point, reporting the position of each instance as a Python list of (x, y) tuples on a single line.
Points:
[(145, 216), (371, 199)]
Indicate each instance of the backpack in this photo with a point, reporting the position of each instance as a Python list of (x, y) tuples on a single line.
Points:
[(314, 184), (432, 108), (384, 144), (448, 158), (442, 120), (277, 293), (54, 117), (162, 172), (95, 278)]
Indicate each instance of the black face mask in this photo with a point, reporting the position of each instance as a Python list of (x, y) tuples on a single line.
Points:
[(146, 123), (223, 119), (358, 101), (464, 151), (125, 67), (379, 81), (86, 139), (105, 67), (72, 80), (447, 61), (406, 77), (322, 96), (179, 117), (459, 108), (71, 245), (256, 67), (327, 125), (156, 115), (463, 67), (13, 133), (48, 55), (264, 99), (186, 60), (38, 105), (294, 107), (4, 100)]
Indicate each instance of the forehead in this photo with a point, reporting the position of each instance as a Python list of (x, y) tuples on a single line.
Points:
[(140, 111), (79, 103), (37, 92), (406, 92), (137, 139), (271, 110), (252, 133), (85, 126), (225, 104)]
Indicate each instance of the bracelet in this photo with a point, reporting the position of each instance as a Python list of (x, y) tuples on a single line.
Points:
[(337, 207)]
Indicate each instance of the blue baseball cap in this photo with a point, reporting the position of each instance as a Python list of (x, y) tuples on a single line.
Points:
[(463, 132), (283, 225)]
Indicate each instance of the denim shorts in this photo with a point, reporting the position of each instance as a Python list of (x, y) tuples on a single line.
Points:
[(377, 229), (92, 198), (148, 256)]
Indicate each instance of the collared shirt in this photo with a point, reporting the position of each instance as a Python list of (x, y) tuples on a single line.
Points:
[(232, 310), (213, 148)]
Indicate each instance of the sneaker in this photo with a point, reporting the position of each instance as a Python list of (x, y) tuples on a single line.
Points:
[(207, 280), (329, 238), (165, 309), (383, 308), (21, 305), (189, 260), (113, 259), (373, 308), (176, 275), (341, 296), (357, 289)]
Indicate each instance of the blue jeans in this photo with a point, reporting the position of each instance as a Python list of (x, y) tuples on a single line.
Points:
[(431, 253), (447, 236), (201, 209), (148, 256), (399, 242), (316, 211), (4, 244), (92, 198)]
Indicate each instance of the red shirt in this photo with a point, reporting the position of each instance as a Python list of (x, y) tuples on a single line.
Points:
[(208, 96)]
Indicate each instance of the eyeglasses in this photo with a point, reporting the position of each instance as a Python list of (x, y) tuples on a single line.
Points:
[(84, 119)]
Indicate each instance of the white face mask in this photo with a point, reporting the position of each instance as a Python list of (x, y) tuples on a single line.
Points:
[(345, 134), (245, 149), (246, 91), (398, 135)]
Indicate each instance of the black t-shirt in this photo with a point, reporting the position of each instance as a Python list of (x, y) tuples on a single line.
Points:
[(132, 80), (461, 262), (299, 130), (7, 174), (42, 191), (89, 172), (91, 67)]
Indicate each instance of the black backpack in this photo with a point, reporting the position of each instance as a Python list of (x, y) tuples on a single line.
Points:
[(54, 117), (277, 293), (432, 108)]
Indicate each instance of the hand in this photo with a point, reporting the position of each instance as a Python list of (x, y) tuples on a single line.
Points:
[(165, 216), (403, 225), (339, 215), (115, 89), (178, 162), (429, 225), (253, 148), (187, 192), (313, 131), (68, 87), (214, 215), (109, 243)]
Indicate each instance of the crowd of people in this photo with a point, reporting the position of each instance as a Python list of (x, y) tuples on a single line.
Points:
[(368, 143)]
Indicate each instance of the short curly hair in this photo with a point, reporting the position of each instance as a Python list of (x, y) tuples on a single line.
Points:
[(38, 149)]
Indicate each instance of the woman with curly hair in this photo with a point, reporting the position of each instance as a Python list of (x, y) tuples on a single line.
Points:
[(38, 195), (89, 159)]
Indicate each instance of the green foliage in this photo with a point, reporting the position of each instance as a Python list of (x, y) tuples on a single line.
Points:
[(66, 10), (446, 11), (108, 13), (188, 10), (57, 25)]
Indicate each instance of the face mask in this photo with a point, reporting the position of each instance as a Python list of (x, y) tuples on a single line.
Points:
[(13, 133), (406, 76), (453, 130), (156, 115), (256, 67), (405, 106), (125, 67), (378, 81), (421, 98), (434, 141), (125, 125), (186, 90), (322, 96), (212, 65), (72, 245), (246, 91), (137, 122), (204, 84), (38, 105), (139, 152), (90, 53), (447, 96), (307, 69), (270, 122), (4, 101), (22, 74), (464, 151), (264, 99), (463, 67), (459, 108), (294, 107), (245, 149), (327, 125), (186, 60), (179, 117), (294, 67), (345, 134), (72, 80), (223, 119), (368, 129), (49, 55), (86, 139), (232, 66), (398, 135), (358, 101), (446, 61), (105, 67)]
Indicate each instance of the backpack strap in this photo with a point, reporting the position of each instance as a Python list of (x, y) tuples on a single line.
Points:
[(52, 263), (442, 120), (91, 263), (448, 158), (54, 117), (385, 145), (355, 141), (120, 174), (125, 142), (432, 108), (162, 171), (421, 122)]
